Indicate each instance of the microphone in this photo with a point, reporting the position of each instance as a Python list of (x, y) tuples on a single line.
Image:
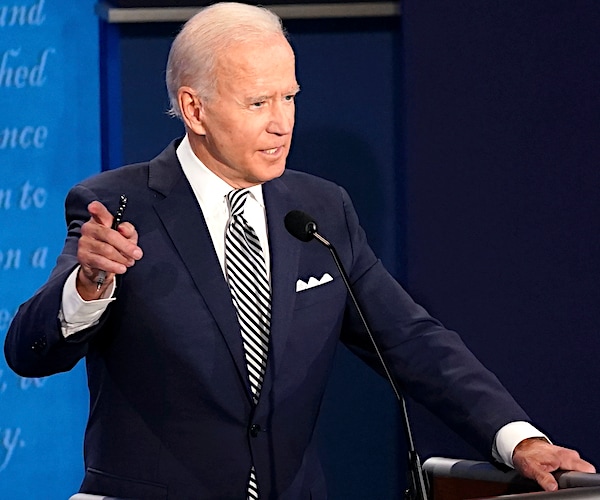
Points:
[(303, 227)]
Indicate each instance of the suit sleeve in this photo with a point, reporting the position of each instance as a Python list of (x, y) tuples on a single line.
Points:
[(34, 345), (429, 362)]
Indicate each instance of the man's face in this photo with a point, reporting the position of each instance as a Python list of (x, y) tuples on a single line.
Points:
[(248, 121)]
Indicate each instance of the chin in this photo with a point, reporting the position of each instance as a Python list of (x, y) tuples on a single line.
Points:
[(272, 172)]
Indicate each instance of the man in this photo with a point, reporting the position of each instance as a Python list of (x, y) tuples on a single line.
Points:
[(206, 359)]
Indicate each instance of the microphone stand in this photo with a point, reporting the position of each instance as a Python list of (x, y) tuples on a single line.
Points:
[(417, 489)]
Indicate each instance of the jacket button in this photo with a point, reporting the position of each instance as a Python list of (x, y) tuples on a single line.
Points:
[(254, 430)]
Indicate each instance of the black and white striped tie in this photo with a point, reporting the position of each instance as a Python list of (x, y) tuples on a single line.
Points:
[(251, 294)]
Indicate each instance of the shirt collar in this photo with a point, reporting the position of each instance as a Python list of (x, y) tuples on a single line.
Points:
[(210, 189)]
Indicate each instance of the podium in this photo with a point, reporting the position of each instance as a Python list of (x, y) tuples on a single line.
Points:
[(455, 479)]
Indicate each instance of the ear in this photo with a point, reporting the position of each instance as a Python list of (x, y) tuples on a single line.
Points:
[(192, 110)]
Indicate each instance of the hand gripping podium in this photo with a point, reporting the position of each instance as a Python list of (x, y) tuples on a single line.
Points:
[(453, 479)]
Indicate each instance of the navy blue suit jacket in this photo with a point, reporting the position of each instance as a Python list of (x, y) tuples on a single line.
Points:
[(171, 414)]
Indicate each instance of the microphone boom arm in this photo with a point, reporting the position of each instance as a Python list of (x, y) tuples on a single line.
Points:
[(417, 490)]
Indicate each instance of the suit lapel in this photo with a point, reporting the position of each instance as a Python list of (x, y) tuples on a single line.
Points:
[(285, 252), (183, 221)]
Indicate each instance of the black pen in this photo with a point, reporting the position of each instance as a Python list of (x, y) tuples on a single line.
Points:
[(115, 224)]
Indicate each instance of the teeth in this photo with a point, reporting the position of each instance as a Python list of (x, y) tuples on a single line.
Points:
[(270, 151)]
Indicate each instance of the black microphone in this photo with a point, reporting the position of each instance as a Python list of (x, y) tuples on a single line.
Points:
[(303, 227)]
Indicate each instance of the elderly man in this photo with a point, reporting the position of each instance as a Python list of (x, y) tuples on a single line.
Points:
[(206, 363)]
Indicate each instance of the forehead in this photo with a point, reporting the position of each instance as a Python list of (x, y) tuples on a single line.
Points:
[(268, 61)]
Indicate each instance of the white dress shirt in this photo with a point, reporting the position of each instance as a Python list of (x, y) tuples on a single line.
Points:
[(211, 192)]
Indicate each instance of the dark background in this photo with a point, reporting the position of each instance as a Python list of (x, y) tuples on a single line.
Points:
[(503, 197), (467, 134)]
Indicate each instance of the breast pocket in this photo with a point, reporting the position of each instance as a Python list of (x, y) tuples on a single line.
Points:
[(310, 294)]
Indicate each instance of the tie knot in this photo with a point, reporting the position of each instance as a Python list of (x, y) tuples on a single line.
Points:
[(236, 200)]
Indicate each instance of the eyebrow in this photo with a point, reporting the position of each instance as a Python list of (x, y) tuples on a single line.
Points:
[(264, 97)]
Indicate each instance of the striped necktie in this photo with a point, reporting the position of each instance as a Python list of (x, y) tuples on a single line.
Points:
[(251, 295)]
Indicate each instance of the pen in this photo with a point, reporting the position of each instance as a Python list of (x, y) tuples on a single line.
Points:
[(116, 221)]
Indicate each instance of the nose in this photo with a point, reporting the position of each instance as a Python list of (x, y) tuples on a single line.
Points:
[(282, 118)]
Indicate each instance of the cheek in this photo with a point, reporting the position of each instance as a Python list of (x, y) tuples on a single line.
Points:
[(226, 138), (243, 131), (241, 138)]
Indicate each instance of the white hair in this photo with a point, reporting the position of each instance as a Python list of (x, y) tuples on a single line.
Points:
[(195, 50)]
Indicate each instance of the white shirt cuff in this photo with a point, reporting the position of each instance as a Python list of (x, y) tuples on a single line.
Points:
[(77, 314), (509, 436)]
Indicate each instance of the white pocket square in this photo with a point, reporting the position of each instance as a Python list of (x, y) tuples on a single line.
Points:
[(312, 282)]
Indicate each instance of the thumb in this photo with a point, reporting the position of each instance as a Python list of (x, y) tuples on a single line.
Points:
[(546, 480)]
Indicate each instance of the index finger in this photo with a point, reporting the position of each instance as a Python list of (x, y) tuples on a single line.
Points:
[(572, 461)]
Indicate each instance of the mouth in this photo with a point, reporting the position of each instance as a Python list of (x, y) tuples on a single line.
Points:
[(272, 151)]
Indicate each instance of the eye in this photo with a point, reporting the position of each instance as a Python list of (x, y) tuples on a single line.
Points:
[(290, 97), (257, 104)]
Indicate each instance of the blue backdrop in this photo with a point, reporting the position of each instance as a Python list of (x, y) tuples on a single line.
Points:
[(49, 139)]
